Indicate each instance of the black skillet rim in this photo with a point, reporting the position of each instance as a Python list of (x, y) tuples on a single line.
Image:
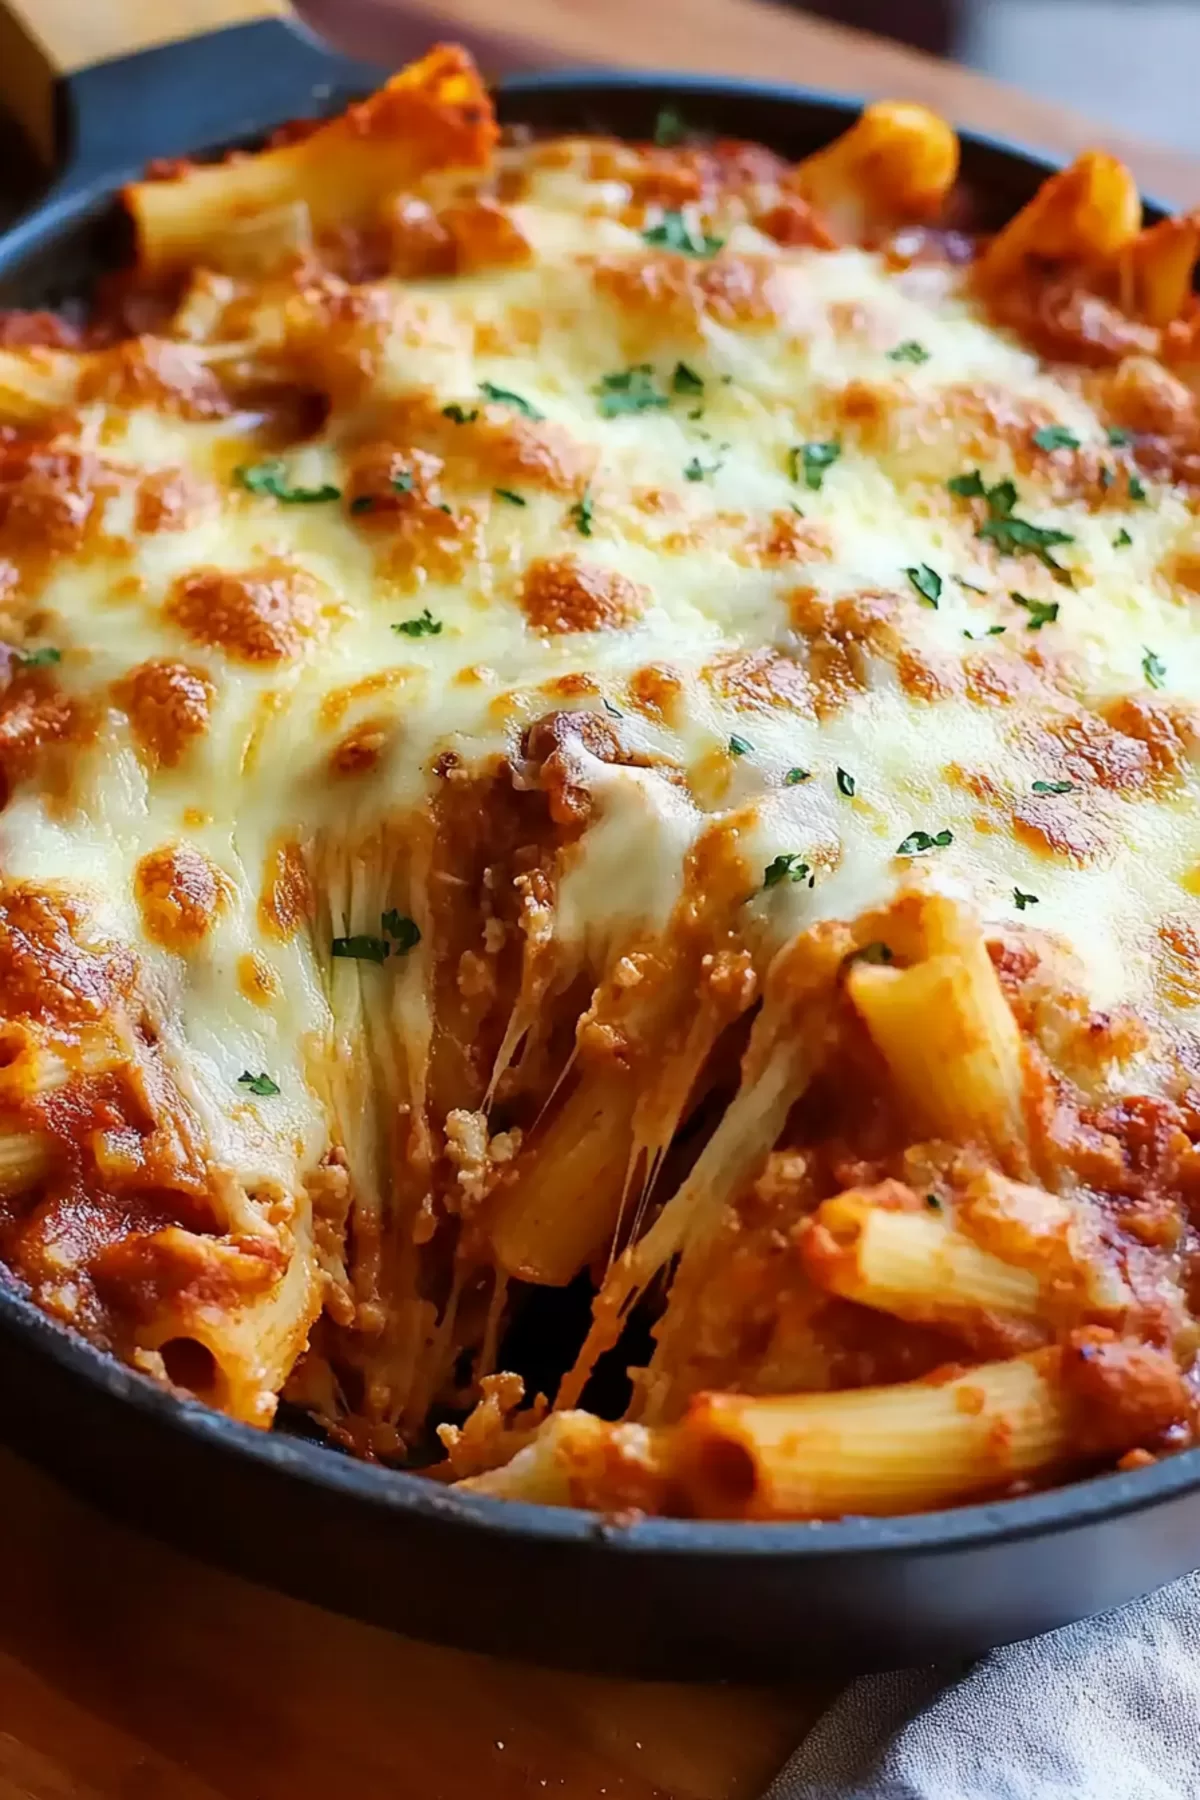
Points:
[(399, 1492)]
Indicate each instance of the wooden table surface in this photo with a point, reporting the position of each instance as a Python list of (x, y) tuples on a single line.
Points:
[(128, 1672)]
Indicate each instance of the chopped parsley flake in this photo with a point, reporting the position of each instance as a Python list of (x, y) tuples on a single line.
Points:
[(1041, 612), (262, 1085), (814, 459), (1011, 536), (786, 867), (1054, 787), (677, 232), (1117, 435), (271, 478), (629, 391), (927, 582), (933, 1203), (403, 931), (918, 842), (739, 746), (614, 710), (424, 625), (910, 351), (580, 514), (507, 494), (361, 948), (460, 414), (794, 777), (668, 128), (1055, 437), (1024, 900), (1154, 669), (38, 659), (1106, 477), (992, 631), (846, 784), (1122, 540), (696, 470), (686, 381), (506, 397), (1137, 488)]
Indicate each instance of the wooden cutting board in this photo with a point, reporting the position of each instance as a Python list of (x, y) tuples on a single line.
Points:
[(128, 1672)]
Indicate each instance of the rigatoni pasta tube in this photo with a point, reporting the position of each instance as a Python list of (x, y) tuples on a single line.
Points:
[(914, 1265), (877, 1450), (1088, 213), (576, 1459), (564, 1200), (896, 163), (951, 1045)]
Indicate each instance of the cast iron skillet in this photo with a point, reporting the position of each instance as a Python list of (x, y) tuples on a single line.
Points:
[(660, 1596)]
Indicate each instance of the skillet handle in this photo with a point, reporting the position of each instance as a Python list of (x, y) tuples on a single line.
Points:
[(104, 86), (43, 43)]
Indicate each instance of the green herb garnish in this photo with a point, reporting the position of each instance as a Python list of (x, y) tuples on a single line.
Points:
[(507, 494), (927, 582), (697, 471), (669, 128), (739, 746), (1011, 536), (403, 931), (1041, 612), (580, 514), (425, 625), (271, 478), (992, 631), (918, 842), (1137, 488), (1054, 787), (846, 784), (361, 948), (1154, 669), (262, 1085), (1117, 435), (910, 351), (1122, 540), (38, 659), (814, 459), (794, 777), (686, 380), (1024, 900), (460, 414), (1055, 437), (676, 232), (629, 391), (506, 397), (786, 867)]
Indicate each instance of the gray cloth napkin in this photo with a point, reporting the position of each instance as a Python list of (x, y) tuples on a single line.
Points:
[(1106, 1710)]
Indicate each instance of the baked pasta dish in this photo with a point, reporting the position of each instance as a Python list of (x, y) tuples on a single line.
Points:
[(600, 844)]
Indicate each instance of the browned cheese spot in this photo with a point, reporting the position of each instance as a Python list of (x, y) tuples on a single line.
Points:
[(676, 294), (155, 372), (169, 705), (257, 980), (286, 901), (180, 895), (563, 594), (263, 615), (48, 969), (171, 500)]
